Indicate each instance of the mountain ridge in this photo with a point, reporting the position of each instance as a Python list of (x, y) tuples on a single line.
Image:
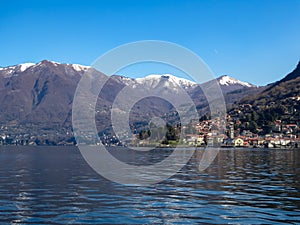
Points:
[(38, 98), (290, 76), (278, 101), (79, 67)]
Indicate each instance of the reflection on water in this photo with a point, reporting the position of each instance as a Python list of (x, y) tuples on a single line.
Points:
[(44, 185)]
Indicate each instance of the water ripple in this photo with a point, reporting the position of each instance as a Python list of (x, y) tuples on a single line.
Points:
[(55, 186)]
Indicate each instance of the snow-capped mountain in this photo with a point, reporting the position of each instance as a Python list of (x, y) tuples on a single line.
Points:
[(41, 94), (160, 83), (16, 69), (25, 66), (166, 80), (228, 84), (78, 67), (13, 70), (157, 82), (125, 80), (150, 81), (227, 81)]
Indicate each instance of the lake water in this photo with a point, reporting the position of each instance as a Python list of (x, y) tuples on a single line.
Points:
[(54, 185)]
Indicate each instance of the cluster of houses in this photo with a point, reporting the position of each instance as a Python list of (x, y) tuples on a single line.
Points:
[(197, 133), (15, 135), (283, 136)]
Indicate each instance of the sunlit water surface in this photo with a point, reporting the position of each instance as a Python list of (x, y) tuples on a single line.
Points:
[(54, 185)]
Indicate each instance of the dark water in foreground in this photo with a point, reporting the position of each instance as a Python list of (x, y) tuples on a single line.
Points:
[(52, 185)]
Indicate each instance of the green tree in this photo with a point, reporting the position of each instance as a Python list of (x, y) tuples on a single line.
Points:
[(171, 133), (253, 126), (254, 116)]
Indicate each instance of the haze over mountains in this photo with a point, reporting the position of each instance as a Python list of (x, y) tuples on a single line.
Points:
[(40, 95)]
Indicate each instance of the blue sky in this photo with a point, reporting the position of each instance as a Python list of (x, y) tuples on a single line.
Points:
[(254, 41)]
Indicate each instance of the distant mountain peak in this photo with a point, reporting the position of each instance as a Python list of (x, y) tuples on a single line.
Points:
[(154, 79), (21, 67), (48, 62), (25, 66), (76, 67), (15, 69), (79, 67), (18, 69), (227, 80)]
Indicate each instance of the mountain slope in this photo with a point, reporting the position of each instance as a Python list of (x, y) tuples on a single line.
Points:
[(232, 89), (278, 101), (229, 84), (41, 93), (37, 98), (293, 75), (165, 80), (287, 87)]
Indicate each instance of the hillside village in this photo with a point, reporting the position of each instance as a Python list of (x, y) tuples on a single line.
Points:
[(203, 133), (242, 129), (207, 133), (280, 136)]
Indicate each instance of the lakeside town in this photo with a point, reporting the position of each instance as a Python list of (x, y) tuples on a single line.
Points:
[(281, 136), (204, 132)]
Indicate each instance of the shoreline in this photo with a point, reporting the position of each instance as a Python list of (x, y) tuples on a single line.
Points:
[(142, 149)]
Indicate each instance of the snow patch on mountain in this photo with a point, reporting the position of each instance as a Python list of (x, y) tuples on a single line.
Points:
[(47, 62), (20, 67), (226, 80), (25, 66), (55, 63), (14, 70), (79, 68), (126, 80), (167, 79)]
